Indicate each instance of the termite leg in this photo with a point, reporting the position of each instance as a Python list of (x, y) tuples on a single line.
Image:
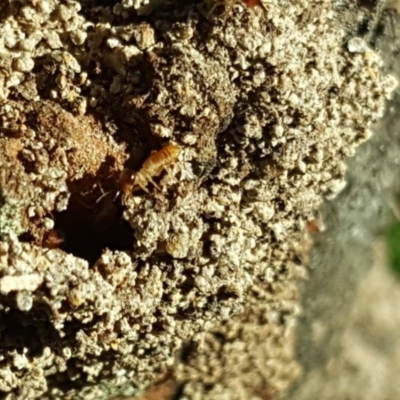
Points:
[(124, 198), (153, 183), (117, 194), (143, 187), (102, 196), (168, 169)]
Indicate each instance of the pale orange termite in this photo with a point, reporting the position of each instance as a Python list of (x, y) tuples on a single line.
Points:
[(53, 239), (229, 4), (158, 161), (315, 225), (252, 3)]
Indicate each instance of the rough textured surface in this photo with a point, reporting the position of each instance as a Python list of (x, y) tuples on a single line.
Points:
[(265, 103), (353, 221)]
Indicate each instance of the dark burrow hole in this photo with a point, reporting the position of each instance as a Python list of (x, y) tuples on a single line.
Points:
[(27, 330), (88, 228)]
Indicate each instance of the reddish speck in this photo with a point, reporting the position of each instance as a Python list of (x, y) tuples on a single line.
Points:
[(252, 3)]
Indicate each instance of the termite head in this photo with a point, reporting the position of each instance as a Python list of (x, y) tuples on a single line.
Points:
[(126, 183)]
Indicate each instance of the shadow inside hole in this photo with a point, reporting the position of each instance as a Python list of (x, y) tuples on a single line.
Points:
[(30, 331), (88, 229)]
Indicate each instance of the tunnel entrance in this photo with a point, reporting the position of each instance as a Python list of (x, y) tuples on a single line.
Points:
[(88, 228)]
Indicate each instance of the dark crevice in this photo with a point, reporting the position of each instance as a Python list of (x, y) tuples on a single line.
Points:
[(93, 219), (88, 229), (32, 331)]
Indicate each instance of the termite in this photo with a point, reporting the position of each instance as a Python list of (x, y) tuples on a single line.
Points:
[(315, 225), (229, 4), (252, 3), (53, 239), (158, 161)]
